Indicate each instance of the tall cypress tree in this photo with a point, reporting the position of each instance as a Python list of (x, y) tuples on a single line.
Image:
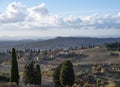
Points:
[(39, 74), (56, 76), (67, 74), (14, 75)]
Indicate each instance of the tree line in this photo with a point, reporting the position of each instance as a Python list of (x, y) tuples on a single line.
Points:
[(113, 46)]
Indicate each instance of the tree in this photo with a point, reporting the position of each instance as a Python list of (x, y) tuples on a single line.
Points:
[(39, 51), (27, 73), (38, 72), (67, 76), (32, 75), (56, 76), (82, 47), (14, 75)]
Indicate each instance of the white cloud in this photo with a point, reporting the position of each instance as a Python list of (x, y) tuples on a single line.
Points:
[(16, 12), (19, 18), (38, 17), (38, 13)]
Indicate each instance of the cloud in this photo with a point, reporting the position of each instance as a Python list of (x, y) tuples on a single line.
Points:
[(20, 16), (39, 13), (16, 12)]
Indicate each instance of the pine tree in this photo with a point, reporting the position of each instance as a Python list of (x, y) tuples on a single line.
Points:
[(67, 74), (14, 77)]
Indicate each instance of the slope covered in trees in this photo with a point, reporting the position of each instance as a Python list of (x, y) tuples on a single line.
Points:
[(113, 46), (59, 42)]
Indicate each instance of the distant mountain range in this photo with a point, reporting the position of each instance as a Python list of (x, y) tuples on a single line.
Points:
[(59, 42)]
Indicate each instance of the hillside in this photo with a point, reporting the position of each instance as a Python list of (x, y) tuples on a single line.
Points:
[(59, 42), (84, 60), (98, 55)]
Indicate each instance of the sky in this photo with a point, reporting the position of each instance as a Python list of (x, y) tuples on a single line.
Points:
[(31, 19)]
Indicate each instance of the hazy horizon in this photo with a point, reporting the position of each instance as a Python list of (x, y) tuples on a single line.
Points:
[(52, 37)]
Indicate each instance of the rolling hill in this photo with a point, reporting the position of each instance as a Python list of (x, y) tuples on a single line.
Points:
[(59, 42)]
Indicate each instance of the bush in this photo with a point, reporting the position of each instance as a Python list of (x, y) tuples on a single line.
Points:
[(4, 79), (114, 54)]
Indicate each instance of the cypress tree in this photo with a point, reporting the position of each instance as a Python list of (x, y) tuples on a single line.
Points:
[(56, 76), (67, 74), (38, 74), (14, 75), (28, 73), (32, 75)]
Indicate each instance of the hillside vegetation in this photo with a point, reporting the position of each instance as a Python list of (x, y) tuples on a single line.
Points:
[(94, 66), (59, 42)]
